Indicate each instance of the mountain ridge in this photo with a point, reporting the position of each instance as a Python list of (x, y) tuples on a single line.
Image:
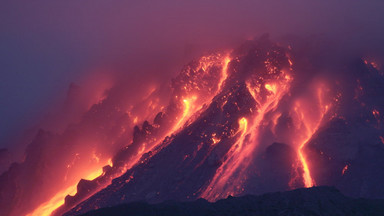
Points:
[(314, 201)]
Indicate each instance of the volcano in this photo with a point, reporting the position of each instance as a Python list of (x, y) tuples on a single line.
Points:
[(263, 117)]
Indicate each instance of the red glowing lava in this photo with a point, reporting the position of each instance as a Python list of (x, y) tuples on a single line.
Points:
[(192, 90), (275, 111), (307, 123), (221, 178), (57, 200), (230, 176)]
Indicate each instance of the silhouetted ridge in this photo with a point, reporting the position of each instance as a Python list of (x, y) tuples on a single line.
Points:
[(314, 201)]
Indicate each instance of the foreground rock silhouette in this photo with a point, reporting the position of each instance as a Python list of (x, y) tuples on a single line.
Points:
[(310, 202)]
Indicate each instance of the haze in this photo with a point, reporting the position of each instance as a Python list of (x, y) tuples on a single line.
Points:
[(46, 45)]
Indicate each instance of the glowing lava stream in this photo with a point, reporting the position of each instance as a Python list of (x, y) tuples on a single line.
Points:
[(57, 200), (224, 73), (235, 149), (310, 125), (187, 107), (229, 177), (308, 181)]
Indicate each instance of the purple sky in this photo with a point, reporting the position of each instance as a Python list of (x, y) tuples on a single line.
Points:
[(46, 45)]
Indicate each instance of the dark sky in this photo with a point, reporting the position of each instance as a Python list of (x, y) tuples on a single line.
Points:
[(46, 45)]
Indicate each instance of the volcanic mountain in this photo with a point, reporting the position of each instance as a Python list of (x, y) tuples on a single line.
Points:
[(263, 117)]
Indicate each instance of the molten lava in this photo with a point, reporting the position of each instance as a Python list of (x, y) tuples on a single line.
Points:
[(57, 200), (227, 168), (224, 72), (230, 177), (271, 88), (308, 122), (308, 181), (231, 109)]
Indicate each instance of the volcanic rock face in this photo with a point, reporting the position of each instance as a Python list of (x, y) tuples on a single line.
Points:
[(267, 129), (313, 201), (260, 118)]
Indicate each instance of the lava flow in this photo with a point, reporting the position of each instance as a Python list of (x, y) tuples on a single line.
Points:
[(308, 115), (57, 200), (249, 121), (188, 101), (231, 175), (219, 180)]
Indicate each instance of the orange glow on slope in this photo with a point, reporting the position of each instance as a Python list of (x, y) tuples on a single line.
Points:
[(224, 73), (344, 169), (271, 87), (373, 63), (230, 176), (308, 181), (186, 112), (274, 121), (190, 105), (94, 175), (110, 163), (215, 139), (220, 178), (243, 123), (57, 200), (308, 120)]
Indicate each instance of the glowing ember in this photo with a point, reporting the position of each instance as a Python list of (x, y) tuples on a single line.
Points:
[(372, 63), (215, 139), (344, 169), (376, 114)]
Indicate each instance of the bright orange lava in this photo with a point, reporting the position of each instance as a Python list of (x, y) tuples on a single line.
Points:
[(224, 172), (230, 176), (271, 87), (308, 123), (186, 112), (308, 181), (224, 73), (243, 126), (57, 200)]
